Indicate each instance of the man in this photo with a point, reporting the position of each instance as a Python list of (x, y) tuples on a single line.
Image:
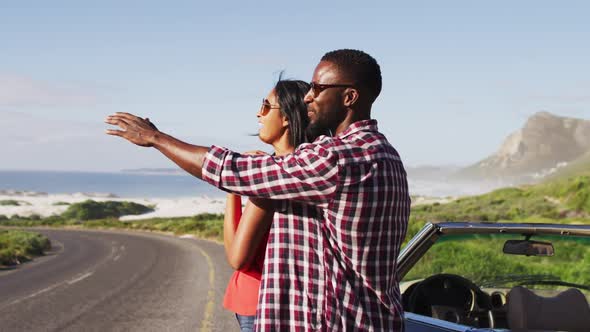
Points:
[(342, 210)]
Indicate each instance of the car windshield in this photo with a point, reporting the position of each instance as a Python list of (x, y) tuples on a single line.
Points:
[(480, 258)]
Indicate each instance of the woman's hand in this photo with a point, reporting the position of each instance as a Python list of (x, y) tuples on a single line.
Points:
[(254, 153)]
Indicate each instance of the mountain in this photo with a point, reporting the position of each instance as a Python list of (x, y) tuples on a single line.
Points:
[(546, 144), (580, 166)]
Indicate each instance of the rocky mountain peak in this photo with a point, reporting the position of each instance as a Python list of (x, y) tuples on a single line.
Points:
[(543, 142)]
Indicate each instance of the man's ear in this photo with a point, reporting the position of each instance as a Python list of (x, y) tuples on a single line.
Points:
[(351, 96)]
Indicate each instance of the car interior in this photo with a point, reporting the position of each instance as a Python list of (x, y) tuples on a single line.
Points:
[(519, 302), (456, 299)]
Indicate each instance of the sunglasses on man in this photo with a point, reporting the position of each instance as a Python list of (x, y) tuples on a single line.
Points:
[(317, 88)]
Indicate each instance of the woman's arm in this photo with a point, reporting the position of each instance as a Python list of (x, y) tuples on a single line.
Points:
[(241, 241), (231, 218)]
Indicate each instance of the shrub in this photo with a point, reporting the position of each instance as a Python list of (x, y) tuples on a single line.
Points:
[(9, 202), (19, 246), (92, 210)]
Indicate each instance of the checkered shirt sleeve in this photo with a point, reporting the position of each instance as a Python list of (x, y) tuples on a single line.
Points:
[(308, 175)]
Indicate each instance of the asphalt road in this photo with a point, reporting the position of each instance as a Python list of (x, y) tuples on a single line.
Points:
[(107, 281)]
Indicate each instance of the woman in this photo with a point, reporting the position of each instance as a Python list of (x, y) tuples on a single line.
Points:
[(283, 119)]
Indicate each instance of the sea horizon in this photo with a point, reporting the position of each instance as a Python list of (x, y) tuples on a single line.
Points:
[(172, 184), (122, 184)]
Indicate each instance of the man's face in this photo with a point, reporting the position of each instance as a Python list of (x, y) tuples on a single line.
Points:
[(325, 108)]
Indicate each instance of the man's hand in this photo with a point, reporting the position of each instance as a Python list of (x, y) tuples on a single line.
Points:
[(135, 129)]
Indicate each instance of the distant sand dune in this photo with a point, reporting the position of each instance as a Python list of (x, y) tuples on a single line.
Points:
[(45, 205)]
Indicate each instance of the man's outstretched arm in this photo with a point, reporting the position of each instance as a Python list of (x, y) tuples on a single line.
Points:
[(143, 133)]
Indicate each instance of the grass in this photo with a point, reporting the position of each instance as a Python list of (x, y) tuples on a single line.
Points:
[(92, 214), (18, 246), (209, 226)]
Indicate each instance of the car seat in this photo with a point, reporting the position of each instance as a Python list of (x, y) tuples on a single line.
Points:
[(567, 311)]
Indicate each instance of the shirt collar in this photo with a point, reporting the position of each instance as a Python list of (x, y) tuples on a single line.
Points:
[(363, 125)]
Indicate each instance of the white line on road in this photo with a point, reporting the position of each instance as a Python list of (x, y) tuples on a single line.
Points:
[(36, 293), (80, 278), (50, 288)]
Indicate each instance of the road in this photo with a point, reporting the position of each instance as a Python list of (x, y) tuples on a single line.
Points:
[(118, 281)]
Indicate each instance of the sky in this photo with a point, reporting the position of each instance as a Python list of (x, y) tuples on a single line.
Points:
[(458, 76)]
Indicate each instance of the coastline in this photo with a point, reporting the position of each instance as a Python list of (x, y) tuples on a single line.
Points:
[(45, 205)]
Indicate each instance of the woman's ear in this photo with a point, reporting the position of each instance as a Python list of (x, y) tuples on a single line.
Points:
[(351, 96), (285, 122)]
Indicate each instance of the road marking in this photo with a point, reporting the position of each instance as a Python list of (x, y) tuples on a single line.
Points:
[(45, 290), (118, 256), (80, 278), (34, 294), (61, 248), (206, 322)]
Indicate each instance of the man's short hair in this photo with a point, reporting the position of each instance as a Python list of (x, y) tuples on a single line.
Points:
[(360, 66)]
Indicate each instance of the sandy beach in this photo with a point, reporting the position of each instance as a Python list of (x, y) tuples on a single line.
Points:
[(45, 205)]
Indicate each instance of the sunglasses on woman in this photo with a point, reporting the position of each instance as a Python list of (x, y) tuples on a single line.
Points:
[(267, 106)]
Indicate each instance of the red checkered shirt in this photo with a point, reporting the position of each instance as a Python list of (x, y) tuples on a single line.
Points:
[(343, 212)]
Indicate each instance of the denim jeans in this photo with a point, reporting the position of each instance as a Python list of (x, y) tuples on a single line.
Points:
[(246, 323)]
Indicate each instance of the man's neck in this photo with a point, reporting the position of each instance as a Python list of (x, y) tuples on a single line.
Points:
[(352, 117)]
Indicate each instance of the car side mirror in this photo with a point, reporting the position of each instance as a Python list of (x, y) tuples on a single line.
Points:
[(528, 248)]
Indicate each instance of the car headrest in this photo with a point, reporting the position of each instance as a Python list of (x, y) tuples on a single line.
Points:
[(567, 310)]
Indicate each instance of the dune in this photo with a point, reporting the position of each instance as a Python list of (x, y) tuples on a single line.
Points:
[(45, 205)]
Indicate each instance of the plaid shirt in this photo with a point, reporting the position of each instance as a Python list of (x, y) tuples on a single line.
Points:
[(331, 257)]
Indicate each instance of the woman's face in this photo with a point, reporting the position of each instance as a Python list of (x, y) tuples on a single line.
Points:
[(273, 124)]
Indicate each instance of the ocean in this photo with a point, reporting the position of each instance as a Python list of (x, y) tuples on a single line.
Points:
[(125, 185), (137, 185)]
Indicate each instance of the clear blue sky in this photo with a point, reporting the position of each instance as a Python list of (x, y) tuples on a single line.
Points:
[(458, 76)]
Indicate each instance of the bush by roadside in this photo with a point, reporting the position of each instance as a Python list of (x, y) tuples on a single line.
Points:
[(18, 246), (92, 210)]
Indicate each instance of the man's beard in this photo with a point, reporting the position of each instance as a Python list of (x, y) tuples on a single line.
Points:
[(315, 129)]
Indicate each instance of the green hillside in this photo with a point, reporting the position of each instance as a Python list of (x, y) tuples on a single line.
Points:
[(563, 201)]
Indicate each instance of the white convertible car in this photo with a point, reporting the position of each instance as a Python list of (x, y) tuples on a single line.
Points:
[(497, 277)]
